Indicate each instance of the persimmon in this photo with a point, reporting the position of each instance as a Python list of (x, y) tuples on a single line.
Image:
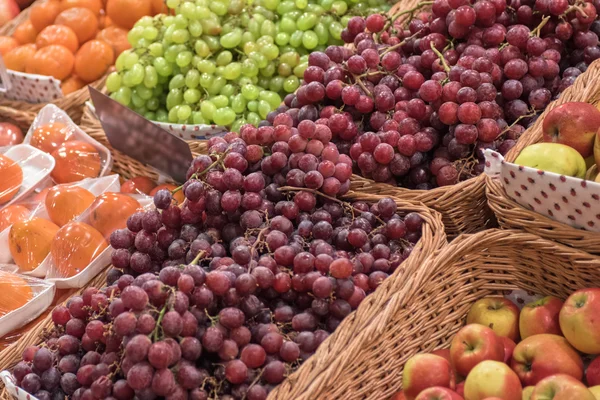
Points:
[(140, 184), (7, 44), (58, 34), (53, 60), (74, 247), (44, 14), (110, 212), (125, 13), (83, 22), (25, 33), (72, 84), (18, 58), (93, 59), (49, 137), (11, 179), (29, 242), (179, 197), (116, 37), (65, 203), (92, 5), (12, 214), (16, 292), (75, 161)]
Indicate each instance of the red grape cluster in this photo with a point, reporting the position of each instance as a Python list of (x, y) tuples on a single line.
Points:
[(226, 294), (417, 104)]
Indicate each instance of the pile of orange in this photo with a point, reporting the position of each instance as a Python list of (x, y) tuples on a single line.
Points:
[(75, 41)]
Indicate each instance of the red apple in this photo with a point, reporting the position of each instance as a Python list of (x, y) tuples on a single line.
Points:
[(438, 393), (472, 344), (540, 316), (10, 134), (497, 313), (540, 356), (460, 388), (580, 320), (509, 347), (492, 379), (398, 396), (574, 124), (138, 185), (423, 371), (592, 373), (561, 387), (8, 10)]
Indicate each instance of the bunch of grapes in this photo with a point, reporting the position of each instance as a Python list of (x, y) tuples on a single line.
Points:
[(416, 105), (225, 61), (226, 294)]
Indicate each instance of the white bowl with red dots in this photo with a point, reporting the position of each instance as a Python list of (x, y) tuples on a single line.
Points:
[(572, 201)]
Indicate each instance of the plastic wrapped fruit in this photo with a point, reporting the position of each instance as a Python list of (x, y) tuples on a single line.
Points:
[(16, 292), (74, 247), (140, 184), (110, 212), (30, 241), (51, 136), (12, 214), (65, 203), (11, 179), (75, 161)]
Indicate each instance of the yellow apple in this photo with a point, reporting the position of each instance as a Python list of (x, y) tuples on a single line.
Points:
[(423, 371), (527, 392), (580, 320), (492, 379), (497, 313), (595, 391), (553, 157), (561, 387)]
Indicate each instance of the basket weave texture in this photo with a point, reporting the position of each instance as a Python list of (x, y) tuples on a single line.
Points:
[(72, 104), (23, 119), (510, 214), (431, 306)]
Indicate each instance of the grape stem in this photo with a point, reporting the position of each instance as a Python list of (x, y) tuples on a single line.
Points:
[(508, 128), (201, 254), (158, 322), (440, 57), (537, 29), (362, 86), (575, 7), (409, 11), (403, 42), (199, 174)]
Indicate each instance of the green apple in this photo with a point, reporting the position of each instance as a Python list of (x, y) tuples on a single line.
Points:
[(553, 157)]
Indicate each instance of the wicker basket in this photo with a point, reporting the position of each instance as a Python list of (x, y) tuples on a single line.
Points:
[(124, 165), (23, 119), (72, 103), (432, 305), (512, 215)]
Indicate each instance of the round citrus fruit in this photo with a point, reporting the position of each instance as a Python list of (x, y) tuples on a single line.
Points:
[(179, 197), (12, 214), (75, 161), (44, 14), (74, 247), (138, 185), (92, 5), (116, 37), (25, 33), (93, 60), (110, 212), (18, 58), (11, 179), (65, 203), (125, 13), (29, 242), (53, 60), (7, 44), (72, 84), (104, 21), (58, 34), (49, 137), (16, 292), (83, 22)]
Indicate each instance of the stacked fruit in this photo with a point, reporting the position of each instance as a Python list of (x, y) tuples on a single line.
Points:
[(421, 102), (75, 41), (225, 62), (224, 295), (545, 364)]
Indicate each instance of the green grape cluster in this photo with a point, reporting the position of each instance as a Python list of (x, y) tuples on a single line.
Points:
[(225, 62)]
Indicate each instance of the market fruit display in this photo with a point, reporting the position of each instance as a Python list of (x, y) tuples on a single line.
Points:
[(546, 364), (226, 293), (226, 62)]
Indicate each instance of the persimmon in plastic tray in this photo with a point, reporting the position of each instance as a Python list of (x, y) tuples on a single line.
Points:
[(77, 155), (571, 201)]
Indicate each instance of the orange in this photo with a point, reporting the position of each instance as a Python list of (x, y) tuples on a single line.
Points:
[(110, 212), (116, 37), (11, 179), (53, 60), (7, 44), (72, 84), (15, 290), (65, 203), (49, 137), (125, 13), (12, 214), (93, 60), (138, 185), (93, 5), (104, 22), (29, 242), (83, 22), (179, 197), (75, 246), (44, 14), (58, 34), (18, 58), (25, 33), (75, 161), (159, 7)]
